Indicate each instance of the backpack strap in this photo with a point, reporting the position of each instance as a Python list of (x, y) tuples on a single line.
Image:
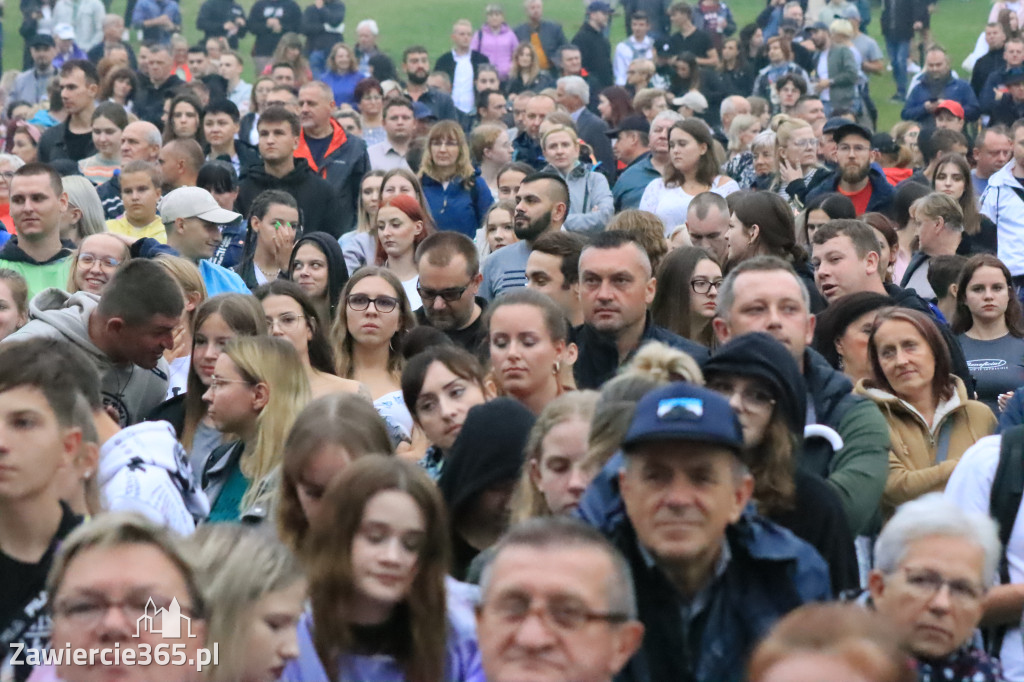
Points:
[(1004, 501)]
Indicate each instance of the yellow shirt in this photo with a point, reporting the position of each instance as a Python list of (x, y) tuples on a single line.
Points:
[(155, 229)]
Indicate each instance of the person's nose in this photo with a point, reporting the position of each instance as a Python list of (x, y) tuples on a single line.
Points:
[(534, 633), (940, 601), (208, 395), (578, 480), (438, 303), (289, 649), (679, 492), (114, 625)]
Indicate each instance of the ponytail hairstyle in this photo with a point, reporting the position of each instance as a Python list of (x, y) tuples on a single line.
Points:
[(776, 232)]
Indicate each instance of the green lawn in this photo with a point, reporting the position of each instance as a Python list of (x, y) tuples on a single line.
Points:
[(956, 25)]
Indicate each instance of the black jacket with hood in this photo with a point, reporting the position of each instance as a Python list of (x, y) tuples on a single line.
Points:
[(487, 452), (337, 270), (816, 514), (318, 207)]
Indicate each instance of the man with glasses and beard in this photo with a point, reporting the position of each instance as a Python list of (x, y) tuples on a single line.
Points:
[(542, 203), (416, 63), (449, 281), (855, 177)]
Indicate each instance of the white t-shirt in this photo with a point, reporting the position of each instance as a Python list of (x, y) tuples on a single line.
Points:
[(970, 487), (671, 203), (462, 84)]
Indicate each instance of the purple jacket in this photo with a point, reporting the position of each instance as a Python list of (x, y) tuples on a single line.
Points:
[(462, 660), (497, 47)]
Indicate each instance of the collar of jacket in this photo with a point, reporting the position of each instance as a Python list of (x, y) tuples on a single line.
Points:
[(338, 138)]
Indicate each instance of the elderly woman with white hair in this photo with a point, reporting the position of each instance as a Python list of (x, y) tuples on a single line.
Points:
[(934, 565), (752, 154)]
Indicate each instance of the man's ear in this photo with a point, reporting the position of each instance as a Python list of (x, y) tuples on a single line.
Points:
[(721, 328), (650, 289), (115, 325), (871, 263)]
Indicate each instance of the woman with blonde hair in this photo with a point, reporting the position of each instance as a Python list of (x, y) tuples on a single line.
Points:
[(257, 390), (179, 357), (490, 149), (377, 560), (328, 435), (525, 72), (84, 216), (359, 245), (742, 132), (556, 471), (342, 74), (905, 133), (255, 593), (799, 169), (289, 50), (456, 194), (98, 257), (373, 320), (591, 204)]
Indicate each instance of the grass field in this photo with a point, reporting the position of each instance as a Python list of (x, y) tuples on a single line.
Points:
[(956, 24)]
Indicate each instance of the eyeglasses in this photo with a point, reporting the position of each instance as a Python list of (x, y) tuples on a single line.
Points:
[(360, 302), (88, 612), (704, 286), (87, 260), (559, 613), (925, 584), (286, 322), (7, 175), (216, 383), (856, 148), (449, 295), (371, 98), (805, 144), (751, 399)]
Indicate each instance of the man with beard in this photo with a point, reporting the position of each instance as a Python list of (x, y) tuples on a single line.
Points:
[(449, 281), (856, 177), (542, 204), (938, 84), (416, 63)]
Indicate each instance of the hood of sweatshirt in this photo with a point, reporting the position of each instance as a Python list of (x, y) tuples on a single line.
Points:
[(69, 315), (337, 270), (15, 254), (294, 179), (145, 452)]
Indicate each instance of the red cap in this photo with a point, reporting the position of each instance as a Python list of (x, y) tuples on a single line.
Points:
[(950, 106)]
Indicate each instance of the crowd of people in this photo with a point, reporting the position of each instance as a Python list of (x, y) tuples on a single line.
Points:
[(348, 366)]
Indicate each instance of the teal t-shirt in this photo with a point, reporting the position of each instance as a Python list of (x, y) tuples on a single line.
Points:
[(229, 502)]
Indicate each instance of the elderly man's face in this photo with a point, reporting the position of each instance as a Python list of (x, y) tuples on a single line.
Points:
[(934, 596)]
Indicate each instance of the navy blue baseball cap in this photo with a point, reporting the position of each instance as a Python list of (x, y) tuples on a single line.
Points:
[(684, 412)]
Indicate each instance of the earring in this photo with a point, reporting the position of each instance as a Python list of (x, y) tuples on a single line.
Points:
[(558, 367)]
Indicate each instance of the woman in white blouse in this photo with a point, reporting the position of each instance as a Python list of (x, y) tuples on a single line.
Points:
[(692, 169)]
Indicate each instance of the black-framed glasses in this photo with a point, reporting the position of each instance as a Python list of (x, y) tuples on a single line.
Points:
[(360, 302), (449, 295), (560, 613), (703, 286)]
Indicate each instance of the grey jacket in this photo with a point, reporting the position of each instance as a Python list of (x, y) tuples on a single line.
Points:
[(591, 203), (132, 391)]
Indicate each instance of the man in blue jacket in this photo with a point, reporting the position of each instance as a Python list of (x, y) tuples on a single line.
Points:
[(937, 84), (711, 576), (856, 177)]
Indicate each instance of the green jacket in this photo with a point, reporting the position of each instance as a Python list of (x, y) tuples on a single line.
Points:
[(43, 276)]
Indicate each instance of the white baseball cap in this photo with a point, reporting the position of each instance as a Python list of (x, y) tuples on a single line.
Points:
[(64, 31), (194, 202)]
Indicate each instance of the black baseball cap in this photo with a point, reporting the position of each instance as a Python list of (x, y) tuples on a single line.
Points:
[(851, 129), (41, 40), (636, 122)]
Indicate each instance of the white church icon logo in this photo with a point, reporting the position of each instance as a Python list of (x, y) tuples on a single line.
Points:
[(170, 619)]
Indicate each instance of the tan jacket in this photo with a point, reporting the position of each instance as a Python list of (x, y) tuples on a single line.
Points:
[(912, 468)]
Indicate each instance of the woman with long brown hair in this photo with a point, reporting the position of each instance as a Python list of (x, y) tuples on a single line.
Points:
[(989, 326), (377, 559), (952, 177), (684, 302)]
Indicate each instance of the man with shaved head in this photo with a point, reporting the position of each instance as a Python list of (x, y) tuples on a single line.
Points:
[(140, 141), (180, 161), (526, 146)]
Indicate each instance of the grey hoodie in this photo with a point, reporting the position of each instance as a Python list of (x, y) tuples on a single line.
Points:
[(132, 391)]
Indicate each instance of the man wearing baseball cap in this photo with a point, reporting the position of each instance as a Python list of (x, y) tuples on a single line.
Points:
[(193, 220), (949, 115), (1010, 106), (855, 176), (711, 576), (30, 85), (595, 49), (632, 147)]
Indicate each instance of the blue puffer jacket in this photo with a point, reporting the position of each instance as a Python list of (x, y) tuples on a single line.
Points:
[(882, 192), (770, 572), (953, 88), (456, 208)]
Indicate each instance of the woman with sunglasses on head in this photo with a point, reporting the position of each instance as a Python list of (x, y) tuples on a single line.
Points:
[(318, 266), (367, 337), (382, 608), (291, 316), (257, 389), (767, 392), (684, 302), (440, 385), (932, 420)]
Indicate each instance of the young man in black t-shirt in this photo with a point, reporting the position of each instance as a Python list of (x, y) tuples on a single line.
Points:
[(38, 443), (689, 38)]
